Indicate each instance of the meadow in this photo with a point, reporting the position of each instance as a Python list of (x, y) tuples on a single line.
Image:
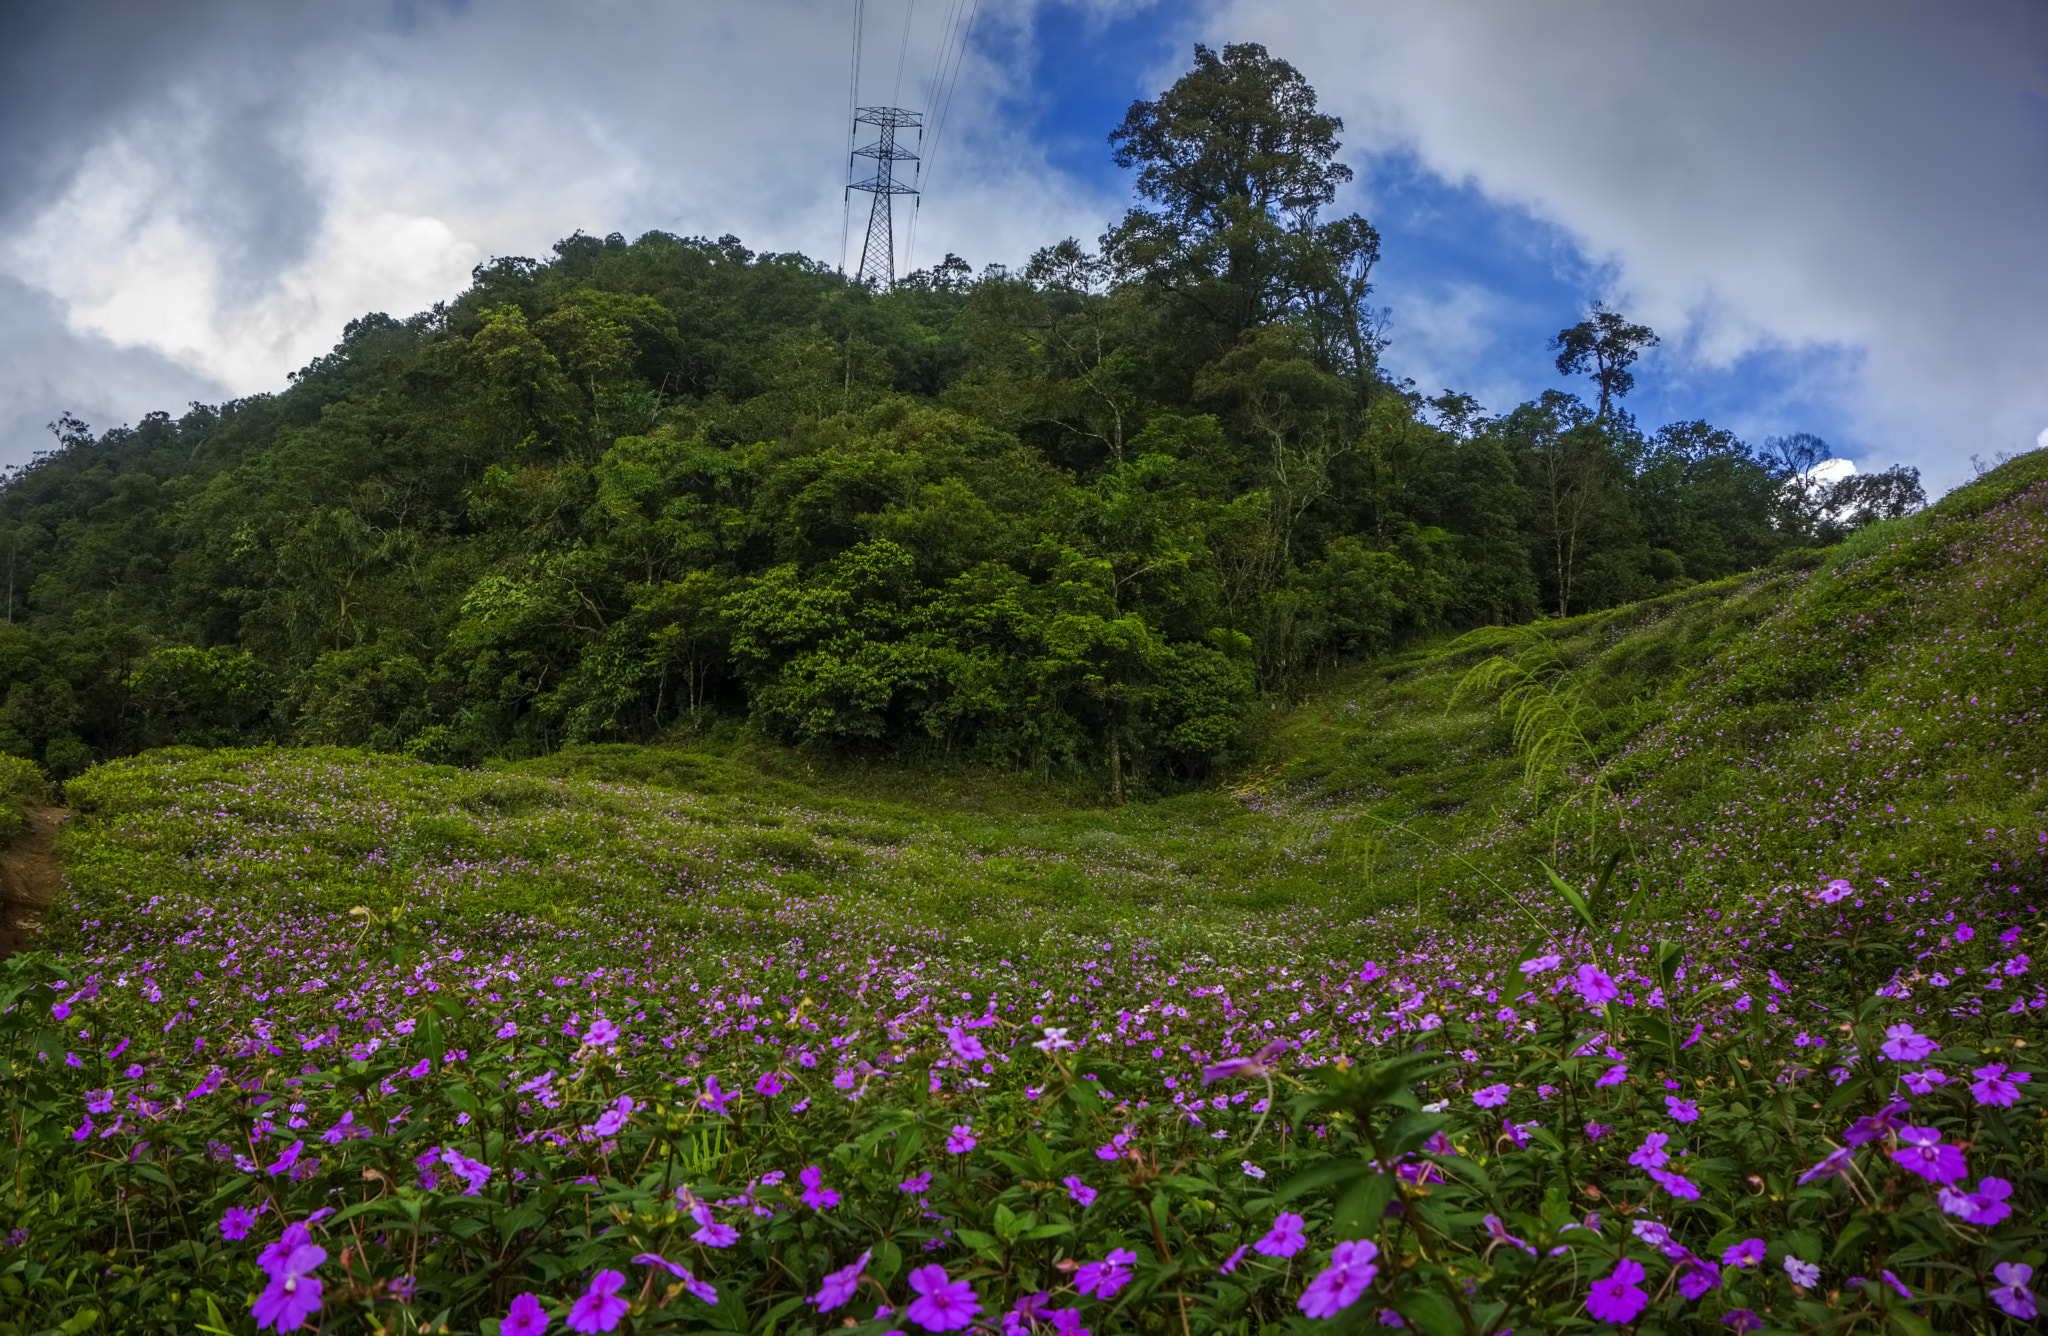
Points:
[(1666, 968)]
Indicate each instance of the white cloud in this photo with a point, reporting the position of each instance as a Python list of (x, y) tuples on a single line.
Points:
[(1841, 174)]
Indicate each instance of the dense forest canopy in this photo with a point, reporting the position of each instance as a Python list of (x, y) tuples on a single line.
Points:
[(1077, 515)]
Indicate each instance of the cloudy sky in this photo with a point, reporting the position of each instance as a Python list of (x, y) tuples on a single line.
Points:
[(1834, 211)]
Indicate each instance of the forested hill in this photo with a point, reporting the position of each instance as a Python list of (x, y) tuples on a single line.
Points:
[(1075, 516)]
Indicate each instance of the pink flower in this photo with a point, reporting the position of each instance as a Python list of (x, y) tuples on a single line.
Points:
[(1285, 1238), (1492, 1097), (1104, 1278), (599, 1308), (1351, 1269), (1617, 1298), (1902, 1043), (1836, 890), (527, 1318), (942, 1303), (964, 1045), (1926, 1154), (840, 1285), (1998, 1085), (816, 1195), (601, 1033), (1079, 1191)]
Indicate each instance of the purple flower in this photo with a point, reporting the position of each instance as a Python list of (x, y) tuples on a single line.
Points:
[(475, 1173), (1804, 1274), (599, 1308), (1896, 1284), (1678, 1185), (942, 1303), (286, 1160), (1696, 1277), (419, 1069), (1922, 1081), (1541, 964), (1258, 1064), (611, 1120), (817, 1196), (1986, 1206), (1595, 986), (1836, 890), (1351, 1269), (1079, 1191), (1926, 1154), (2012, 1295), (965, 1046), (1741, 1319), (1748, 1253), (962, 1139), (676, 1269), (1613, 1076), (1285, 1238), (102, 1101), (1104, 1278), (1594, 1131), (840, 1285), (293, 1294), (770, 1084), (1902, 1043), (709, 1232), (917, 1183), (1883, 1123), (1684, 1110), (1230, 1262), (1995, 1084), (601, 1033), (1618, 1298), (527, 1318), (239, 1220), (1835, 1164), (1650, 1155), (510, 1030), (713, 1098), (1497, 1234), (1492, 1097)]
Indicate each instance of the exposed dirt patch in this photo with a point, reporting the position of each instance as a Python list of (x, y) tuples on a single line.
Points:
[(29, 878)]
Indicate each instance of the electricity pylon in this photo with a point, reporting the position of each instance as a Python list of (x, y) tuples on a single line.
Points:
[(878, 252)]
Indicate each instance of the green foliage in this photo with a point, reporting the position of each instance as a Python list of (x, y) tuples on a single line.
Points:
[(1073, 519)]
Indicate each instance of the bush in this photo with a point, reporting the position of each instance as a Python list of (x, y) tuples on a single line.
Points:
[(1819, 1112)]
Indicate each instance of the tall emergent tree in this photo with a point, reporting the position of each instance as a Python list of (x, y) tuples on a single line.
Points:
[(1240, 164), (1606, 345)]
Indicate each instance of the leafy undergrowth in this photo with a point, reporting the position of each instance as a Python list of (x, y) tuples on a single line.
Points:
[(403, 1047)]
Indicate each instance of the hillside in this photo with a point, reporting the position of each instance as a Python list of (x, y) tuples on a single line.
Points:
[(781, 1029)]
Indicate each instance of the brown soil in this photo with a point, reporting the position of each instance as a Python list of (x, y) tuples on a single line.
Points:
[(29, 878)]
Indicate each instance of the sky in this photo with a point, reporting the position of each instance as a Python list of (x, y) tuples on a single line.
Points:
[(1834, 212)]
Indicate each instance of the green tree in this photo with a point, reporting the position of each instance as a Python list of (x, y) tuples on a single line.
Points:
[(1605, 347)]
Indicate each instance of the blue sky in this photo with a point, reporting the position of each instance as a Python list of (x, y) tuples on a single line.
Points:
[(1836, 213), (1474, 288)]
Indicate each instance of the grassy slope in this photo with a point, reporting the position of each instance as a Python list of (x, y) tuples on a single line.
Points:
[(1875, 710)]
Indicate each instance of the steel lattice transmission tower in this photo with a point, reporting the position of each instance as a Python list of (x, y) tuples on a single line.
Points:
[(878, 252)]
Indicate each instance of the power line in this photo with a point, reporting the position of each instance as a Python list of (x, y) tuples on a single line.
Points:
[(942, 102), (852, 128)]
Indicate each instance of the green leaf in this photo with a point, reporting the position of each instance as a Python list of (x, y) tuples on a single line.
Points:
[(1410, 1130), (974, 1238), (1430, 1311), (1330, 1173), (1358, 1216), (1572, 897)]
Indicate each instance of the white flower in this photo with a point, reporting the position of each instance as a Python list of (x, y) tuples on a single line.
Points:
[(1055, 1040)]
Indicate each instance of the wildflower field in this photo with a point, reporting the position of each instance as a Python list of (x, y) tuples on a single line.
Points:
[(1718, 1010)]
